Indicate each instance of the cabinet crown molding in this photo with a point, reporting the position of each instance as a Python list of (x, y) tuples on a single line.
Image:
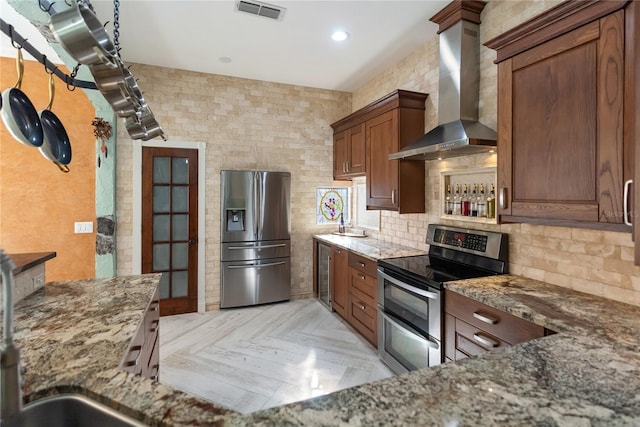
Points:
[(456, 11), (552, 23), (397, 98)]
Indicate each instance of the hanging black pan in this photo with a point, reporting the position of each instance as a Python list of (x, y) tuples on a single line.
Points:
[(56, 145), (18, 113)]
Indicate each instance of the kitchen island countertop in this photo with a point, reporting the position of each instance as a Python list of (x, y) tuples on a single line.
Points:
[(588, 374), (369, 247), (72, 337), (74, 334)]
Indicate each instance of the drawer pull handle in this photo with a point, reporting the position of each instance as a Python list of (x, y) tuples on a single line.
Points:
[(362, 307), (134, 362), (627, 184), (154, 326), (485, 341), (156, 371), (362, 264), (486, 319), (361, 276)]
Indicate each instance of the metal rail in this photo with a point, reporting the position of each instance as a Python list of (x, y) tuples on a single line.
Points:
[(41, 58)]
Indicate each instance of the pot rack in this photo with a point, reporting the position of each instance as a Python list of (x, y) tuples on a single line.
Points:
[(18, 41)]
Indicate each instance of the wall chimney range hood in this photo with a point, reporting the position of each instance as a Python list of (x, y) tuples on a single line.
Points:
[(458, 132)]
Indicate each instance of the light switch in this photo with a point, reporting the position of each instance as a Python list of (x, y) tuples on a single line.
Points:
[(83, 227), (38, 281)]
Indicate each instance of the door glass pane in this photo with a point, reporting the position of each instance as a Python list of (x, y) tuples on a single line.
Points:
[(180, 227), (160, 228), (160, 199), (180, 252), (161, 257), (180, 199), (164, 286), (179, 284), (161, 170), (180, 170)]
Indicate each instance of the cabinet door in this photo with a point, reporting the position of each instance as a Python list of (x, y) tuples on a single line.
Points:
[(340, 155), (382, 173), (356, 150), (340, 282), (560, 137)]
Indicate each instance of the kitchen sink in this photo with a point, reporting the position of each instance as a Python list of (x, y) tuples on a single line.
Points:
[(72, 410)]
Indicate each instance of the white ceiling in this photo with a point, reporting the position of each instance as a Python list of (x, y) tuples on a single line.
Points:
[(195, 34)]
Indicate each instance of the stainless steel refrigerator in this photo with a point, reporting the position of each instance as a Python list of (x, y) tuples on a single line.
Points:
[(255, 238)]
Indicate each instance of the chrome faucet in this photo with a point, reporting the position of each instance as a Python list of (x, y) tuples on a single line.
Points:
[(10, 390)]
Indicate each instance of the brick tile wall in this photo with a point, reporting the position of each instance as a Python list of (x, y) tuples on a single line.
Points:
[(260, 125), (246, 124)]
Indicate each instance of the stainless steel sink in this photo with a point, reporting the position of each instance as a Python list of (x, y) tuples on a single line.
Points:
[(72, 410)]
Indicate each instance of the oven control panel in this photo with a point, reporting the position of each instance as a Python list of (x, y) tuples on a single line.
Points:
[(474, 242), (478, 242)]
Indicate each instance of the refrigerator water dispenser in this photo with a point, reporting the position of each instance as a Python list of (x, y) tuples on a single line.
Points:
[(235, 219)]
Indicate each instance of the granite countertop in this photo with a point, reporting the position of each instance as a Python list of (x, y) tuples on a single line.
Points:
[(586, 375), (73, 336), (24, 262), (369, 247)]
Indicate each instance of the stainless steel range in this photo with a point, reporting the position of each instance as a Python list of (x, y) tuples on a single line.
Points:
[(410, 291)]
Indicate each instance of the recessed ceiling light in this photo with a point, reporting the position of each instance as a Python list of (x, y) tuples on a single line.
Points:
[(340, 36), (224, 59)]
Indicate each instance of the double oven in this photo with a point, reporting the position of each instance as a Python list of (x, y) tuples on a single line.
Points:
[(411, 290)]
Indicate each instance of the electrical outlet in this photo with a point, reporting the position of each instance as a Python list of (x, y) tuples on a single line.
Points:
[(38, 281), (83, 227)]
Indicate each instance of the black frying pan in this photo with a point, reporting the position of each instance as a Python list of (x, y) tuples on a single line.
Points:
[(56, 145), (18, 113)]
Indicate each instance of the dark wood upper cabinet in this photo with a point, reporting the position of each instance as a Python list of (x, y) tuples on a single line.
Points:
[(349, 153), (565, 85), (384, 127)]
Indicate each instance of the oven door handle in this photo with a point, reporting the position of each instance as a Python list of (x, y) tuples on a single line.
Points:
[(400, 324), (398, 283)]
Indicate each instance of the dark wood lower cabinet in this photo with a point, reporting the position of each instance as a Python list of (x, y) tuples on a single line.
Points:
[(354, 290), (143, 355), (340, 281), (473, 328)]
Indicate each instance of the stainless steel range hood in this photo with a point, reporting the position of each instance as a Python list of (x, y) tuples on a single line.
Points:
[(458, 132)]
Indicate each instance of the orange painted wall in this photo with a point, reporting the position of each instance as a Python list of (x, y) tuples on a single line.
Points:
[(38, 203)]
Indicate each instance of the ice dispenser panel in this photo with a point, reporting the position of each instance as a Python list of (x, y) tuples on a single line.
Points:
[(236, 219)]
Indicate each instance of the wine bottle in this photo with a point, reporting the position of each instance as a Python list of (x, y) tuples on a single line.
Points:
[(474, 201), (456, 201), (465, 204), (482, 203), (491, 203), (448, 203)]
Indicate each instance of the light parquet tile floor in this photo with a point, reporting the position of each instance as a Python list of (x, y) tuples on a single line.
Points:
[(259, 357)]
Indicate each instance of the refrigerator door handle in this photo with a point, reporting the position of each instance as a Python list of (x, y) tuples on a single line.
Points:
[(256, 205), (238, 248), (271, 264)]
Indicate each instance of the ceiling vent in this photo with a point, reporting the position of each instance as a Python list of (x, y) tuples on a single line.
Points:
[(261, 9)]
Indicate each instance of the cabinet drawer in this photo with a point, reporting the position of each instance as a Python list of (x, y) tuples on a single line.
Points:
[(472, 341), (363, 264), (497, 323), (365, 284), (364, 317)]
